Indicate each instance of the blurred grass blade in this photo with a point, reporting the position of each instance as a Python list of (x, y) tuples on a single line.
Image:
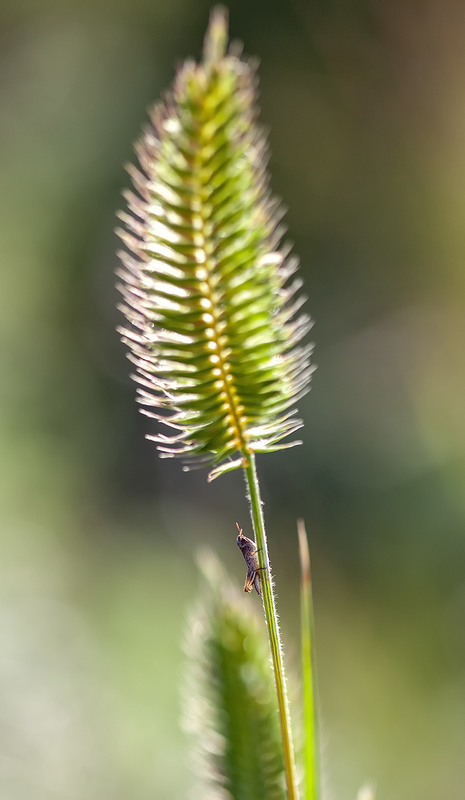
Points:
[(308, 672), (230, 706)]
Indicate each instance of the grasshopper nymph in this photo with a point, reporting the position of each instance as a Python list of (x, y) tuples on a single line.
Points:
[(249, 551)]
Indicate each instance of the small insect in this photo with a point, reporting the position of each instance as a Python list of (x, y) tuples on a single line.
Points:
[(249, 550)]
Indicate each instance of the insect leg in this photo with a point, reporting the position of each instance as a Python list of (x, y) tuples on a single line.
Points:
[(249, 581), (257, 581)]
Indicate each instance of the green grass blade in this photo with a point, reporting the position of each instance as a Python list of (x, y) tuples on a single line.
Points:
[(308, 672)]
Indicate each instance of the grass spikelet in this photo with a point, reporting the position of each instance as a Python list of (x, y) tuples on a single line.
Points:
[(231, 708), (210, 295)]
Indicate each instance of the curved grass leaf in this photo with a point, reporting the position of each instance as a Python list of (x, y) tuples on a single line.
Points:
[(213, 308)]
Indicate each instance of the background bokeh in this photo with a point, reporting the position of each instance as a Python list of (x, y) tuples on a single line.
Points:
[(366, 109)]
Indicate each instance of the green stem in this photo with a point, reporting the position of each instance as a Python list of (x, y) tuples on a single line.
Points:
[(272, 624)]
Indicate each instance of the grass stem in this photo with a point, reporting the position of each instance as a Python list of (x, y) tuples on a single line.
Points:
[(271, 617)]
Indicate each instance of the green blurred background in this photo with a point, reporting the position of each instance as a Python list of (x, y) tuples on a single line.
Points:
[(366, 110)]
